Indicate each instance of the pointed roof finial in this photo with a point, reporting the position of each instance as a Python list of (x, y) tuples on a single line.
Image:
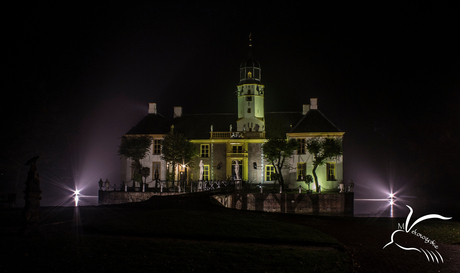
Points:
[(250, 40)]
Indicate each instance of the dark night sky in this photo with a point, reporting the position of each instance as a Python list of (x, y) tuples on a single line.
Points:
[(80, 75)]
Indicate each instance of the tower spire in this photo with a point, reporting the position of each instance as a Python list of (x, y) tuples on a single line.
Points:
[(250, 93)]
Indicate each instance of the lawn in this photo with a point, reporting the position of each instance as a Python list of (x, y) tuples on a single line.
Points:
[(128, 239), (190, 234)]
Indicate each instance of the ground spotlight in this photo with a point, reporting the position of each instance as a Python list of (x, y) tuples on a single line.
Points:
[(76, 194), (391, 198)]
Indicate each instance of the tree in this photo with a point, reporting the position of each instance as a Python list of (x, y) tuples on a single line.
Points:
[(308, 180), (276, 151), (135, 148), (323, 149), (177, 149)]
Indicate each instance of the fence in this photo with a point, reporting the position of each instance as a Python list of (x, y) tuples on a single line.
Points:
[(160, 186), (112, 195)]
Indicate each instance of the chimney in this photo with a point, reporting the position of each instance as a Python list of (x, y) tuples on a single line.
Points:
[(177, 111), (314, 103), (306, 108), (152, 108)]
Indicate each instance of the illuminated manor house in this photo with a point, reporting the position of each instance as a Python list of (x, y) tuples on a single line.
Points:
[(223, 139)]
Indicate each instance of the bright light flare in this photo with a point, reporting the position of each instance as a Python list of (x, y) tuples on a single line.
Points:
[(76, 193), (392, 198)]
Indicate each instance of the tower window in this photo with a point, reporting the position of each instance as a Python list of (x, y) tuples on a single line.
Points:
[(248, 98), (249, 75), (249, 110)]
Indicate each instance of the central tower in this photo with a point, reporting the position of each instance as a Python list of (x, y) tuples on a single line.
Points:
[(250, 93)]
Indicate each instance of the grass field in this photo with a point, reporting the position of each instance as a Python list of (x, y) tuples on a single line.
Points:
[(130, 239), (190, 237)]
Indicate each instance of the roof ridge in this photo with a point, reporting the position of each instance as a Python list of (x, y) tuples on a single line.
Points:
[(304, 116), (333, 124), (300, 121)]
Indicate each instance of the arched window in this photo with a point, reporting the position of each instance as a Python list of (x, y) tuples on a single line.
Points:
[(249, 75)]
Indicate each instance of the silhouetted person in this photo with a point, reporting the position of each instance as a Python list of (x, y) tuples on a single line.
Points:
[(32, 197)]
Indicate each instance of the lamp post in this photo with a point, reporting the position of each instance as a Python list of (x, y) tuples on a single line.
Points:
[(183, 174)]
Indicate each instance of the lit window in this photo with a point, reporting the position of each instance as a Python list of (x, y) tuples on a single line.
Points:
[(269, 171), (156, 170), (249, 75), (237, 149), (301, 150), (330, 168), (206, 172), (204, 151), (301, 169), (157, 146)]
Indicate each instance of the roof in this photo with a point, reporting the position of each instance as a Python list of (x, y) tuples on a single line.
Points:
[(277, 124), (314, 121), (250, 62), (198, 126), (151, 124)]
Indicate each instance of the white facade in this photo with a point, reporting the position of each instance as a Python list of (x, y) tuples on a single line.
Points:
[(223, 139)]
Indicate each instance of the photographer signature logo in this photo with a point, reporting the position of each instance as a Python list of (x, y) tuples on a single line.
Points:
[(430, 254)]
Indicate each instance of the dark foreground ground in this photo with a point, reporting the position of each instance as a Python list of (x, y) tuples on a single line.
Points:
[(193, 234)]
